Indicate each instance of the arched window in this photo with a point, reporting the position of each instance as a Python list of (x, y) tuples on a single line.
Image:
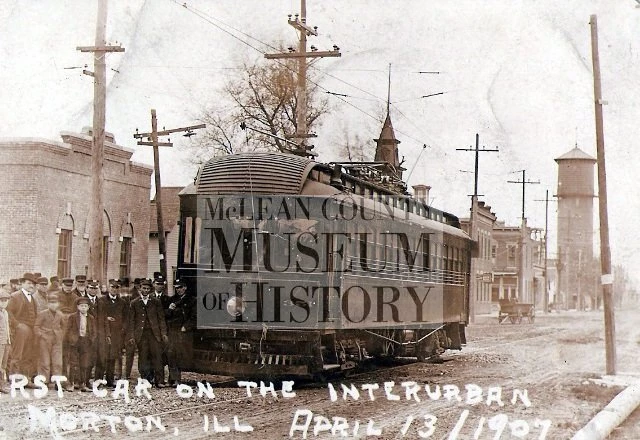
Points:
[(65, 238), (126, 242)]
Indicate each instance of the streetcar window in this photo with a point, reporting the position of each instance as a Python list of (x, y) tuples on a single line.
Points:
[(188, 225), (196, 240)]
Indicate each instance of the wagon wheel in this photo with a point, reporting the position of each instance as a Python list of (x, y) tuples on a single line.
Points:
[(513, 319)]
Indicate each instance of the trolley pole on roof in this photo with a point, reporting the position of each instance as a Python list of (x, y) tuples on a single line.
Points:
[(473, 230), (100, 50), (152, 137), (605, 250)]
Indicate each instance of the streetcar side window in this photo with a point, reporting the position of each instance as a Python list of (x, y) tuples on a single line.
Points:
[(196, 240), (188, 245)]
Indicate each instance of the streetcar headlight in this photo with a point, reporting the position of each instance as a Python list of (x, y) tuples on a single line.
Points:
[(235, 306)]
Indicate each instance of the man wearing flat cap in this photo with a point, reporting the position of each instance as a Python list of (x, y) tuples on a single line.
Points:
[(160, 289), (93, 290), (54, 282), (112, 315), (181, 321), (49, 333), (81, 285), (23, 310)]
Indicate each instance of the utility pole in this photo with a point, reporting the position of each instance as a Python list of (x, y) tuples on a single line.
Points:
[(605, 250), (523, 237), (545, 302), (473, 230), (152, 137), (304, 31), (96, 209), (477, 151)]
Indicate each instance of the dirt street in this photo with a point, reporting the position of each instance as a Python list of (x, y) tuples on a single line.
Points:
[(510, 381)]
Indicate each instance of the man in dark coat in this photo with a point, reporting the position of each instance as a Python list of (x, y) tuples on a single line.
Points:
[(93, 289), (181, 321), (124, 367), (112, 315), (22, 310), (160, 290), (147, 328)]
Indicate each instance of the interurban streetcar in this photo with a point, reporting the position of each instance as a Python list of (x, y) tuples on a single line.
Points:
[(301, 267)]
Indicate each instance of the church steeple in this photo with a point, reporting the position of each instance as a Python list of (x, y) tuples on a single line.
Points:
[(387, 144)]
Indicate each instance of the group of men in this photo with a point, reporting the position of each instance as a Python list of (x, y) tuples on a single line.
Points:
[(85, 330)]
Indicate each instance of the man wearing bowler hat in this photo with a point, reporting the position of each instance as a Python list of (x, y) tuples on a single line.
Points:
[(23, 310)]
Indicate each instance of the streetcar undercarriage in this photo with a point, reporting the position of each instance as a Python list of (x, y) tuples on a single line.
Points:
[(310, 353)]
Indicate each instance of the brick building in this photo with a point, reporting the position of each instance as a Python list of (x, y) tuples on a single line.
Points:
[(480, 283), (506, 254), (45, 190)]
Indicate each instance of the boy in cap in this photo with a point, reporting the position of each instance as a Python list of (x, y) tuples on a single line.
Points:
[(5, 337), (40, 296), (49, 332), (80, 338)]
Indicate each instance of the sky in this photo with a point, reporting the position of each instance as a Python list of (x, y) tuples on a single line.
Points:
[(518, 73)]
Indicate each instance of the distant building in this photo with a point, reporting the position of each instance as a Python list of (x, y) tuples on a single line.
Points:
[(45, 194), (576, 267), (506, 255), (481, 279), (170, 218)]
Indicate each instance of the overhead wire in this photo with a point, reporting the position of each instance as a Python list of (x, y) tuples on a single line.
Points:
[(210, 19)]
